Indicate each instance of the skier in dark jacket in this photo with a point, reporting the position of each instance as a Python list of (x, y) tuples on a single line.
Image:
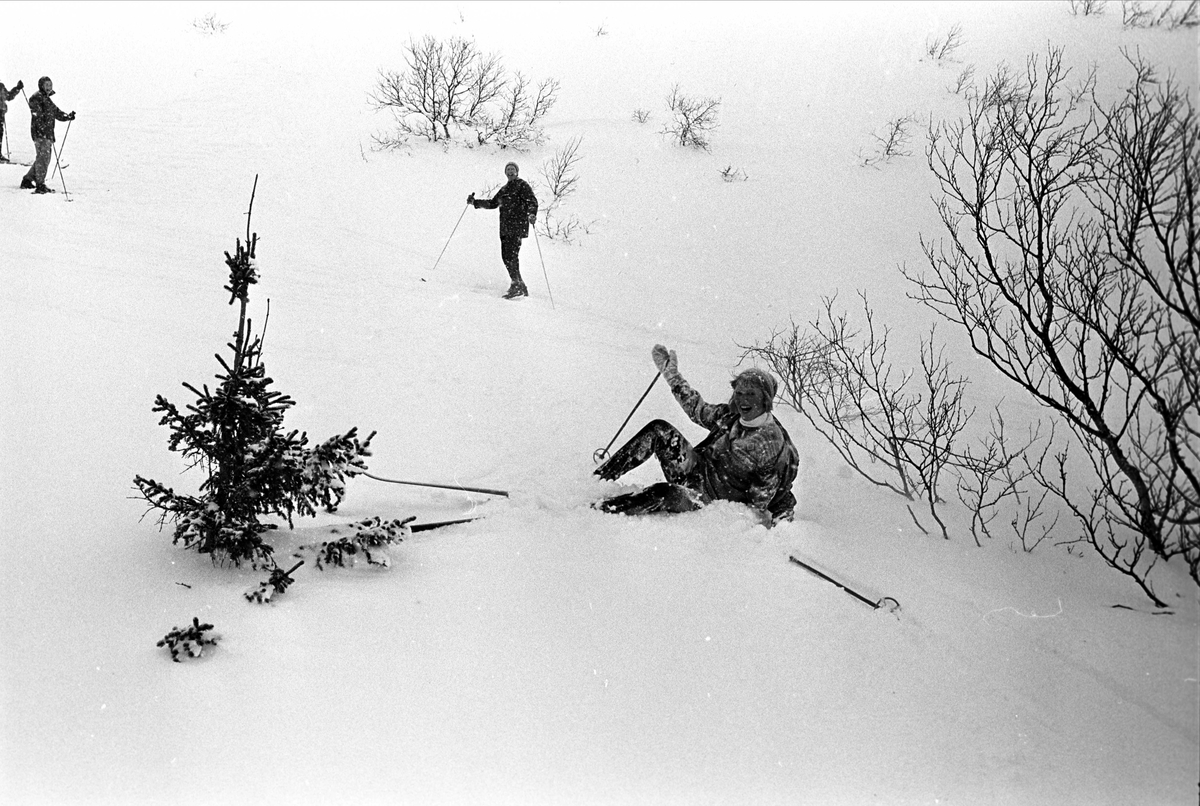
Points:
[(747, 456), (518, 209), (43, 113), (7, 95)]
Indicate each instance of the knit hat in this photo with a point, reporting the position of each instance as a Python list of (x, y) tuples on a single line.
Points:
[(761, 379), (513, 164)]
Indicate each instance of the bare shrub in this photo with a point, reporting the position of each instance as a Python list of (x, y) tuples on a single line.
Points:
[(692, 119), (964, 81), (209, 25), (731, 174), (1072, 266), (995, 476), (641, 115), (1088, 8), (450, 87), (1169, 15), (892, 434), (894, 141), (943, 48), (561, 179)]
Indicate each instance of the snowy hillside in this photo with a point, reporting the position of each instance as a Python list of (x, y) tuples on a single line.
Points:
[(547, 653)]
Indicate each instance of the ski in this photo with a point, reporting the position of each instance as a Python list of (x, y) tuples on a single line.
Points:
[(886, 603), (425, 527)]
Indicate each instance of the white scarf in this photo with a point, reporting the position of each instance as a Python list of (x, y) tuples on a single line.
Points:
[(757, 422)]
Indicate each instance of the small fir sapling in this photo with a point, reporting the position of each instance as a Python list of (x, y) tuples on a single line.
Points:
[(277, 582), (235, 434), (190, 640), (371, 538)]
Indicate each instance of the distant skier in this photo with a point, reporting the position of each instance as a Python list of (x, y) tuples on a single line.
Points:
[(518, 209), (7, 95), (747, 456), (43, 113)]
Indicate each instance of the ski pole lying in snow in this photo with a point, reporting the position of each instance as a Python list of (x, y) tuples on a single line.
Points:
[(440, 486), (456, 223), (886, 603), (601, 454)]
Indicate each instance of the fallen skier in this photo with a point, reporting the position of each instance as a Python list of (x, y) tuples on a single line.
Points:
[(747, 456)]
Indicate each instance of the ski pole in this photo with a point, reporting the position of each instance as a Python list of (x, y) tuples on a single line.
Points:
[(62, 178), (602, 454), (440, 486), (456, 223), (539, 248), (891, 608), (61, 149)]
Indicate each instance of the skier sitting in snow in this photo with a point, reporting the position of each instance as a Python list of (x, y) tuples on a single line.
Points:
[(518, 209), (747, 456)]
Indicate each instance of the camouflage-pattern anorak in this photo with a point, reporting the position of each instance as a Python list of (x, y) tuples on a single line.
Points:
[(754, 466)]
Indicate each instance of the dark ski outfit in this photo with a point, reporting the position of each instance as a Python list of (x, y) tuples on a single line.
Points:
[(6, 95), (43, 113), (752, 464), (518, 207)]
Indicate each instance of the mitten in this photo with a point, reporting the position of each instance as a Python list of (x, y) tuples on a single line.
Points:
[(667, 364), (20, 85)]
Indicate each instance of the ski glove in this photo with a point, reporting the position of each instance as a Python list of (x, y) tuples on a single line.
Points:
[(71, 116), (20, 85), (471, 199), (667, 364)]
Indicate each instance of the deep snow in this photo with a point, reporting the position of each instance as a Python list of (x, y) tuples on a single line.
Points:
[(548, 653)]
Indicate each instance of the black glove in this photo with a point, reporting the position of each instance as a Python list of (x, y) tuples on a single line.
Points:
[(471, 199), (71, 116), (20, 85)]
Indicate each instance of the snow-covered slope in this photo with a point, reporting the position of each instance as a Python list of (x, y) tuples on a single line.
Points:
[(548, 653)]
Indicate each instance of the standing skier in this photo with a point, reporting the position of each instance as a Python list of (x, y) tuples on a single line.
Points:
[(518, 209), (747, 456), (43, 113), (7, 95)]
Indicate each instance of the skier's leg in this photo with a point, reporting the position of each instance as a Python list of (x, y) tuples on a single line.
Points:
[(510, 252), (658, 438), (41, 165)]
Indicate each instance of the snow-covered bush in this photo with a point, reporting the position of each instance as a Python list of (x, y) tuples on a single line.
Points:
[(189, 641)]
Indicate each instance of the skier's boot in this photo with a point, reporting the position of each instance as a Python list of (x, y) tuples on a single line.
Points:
[(26, 183), (517, 289), (43, 189)]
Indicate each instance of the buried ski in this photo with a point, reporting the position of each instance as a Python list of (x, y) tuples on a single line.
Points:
[(887, 603), (425, 527)]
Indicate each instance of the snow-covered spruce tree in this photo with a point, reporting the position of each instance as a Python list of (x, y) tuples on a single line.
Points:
[(235, 434)]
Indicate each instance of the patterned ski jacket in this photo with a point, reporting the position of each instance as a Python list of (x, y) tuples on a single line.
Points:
[(6, 95), (44, 112), (754, 466), (517, 205)]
